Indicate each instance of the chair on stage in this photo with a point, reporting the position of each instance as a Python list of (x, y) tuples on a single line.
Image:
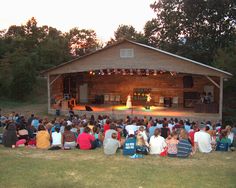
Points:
[(112, 98), (175, 101), (161, 101), (117, 99), (106, 98)]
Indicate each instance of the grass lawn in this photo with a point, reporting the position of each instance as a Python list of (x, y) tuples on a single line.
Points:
[(24, 167)]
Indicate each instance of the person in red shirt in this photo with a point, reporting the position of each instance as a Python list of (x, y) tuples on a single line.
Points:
[(106, 126), (192, 132), (85, 140)]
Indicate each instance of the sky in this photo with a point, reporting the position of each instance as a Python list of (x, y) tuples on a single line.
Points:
[(103, 16)]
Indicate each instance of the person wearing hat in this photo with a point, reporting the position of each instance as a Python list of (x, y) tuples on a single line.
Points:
[(202, 140), (129, 147)]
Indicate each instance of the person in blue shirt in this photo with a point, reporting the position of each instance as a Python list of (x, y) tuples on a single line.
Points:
[(129, 147), (184, 148)]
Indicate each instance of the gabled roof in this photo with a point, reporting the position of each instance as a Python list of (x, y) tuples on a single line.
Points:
[(180, 57), (226, 74)]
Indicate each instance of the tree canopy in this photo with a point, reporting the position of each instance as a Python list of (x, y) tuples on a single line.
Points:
[(28, 49), (195, 29)]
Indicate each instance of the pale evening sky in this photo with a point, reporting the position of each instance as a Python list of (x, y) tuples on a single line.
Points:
[(103, 16)]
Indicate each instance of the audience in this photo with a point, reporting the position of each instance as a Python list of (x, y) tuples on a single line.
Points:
[(140, 136)]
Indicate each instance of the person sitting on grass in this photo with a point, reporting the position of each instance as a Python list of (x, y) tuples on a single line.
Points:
[(42, 138), (56, 139), (23, 133), (97, 135), (68, 138), (172, 143), (157, 143), (165, 131), (85, 140), (109, 132), (129, 147), (9, 136), (184, 147), (111, 145), (230, 134), (202, 140), (223, 142)]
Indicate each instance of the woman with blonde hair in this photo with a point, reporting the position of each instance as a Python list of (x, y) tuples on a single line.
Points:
[(230, 134)]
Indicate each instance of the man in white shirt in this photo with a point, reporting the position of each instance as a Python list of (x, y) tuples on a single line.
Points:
[(202, 140)]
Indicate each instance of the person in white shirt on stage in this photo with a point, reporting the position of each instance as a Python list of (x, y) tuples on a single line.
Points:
[(148, 101)]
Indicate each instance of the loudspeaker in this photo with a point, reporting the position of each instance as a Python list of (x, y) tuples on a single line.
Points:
[(88, 108), (188, 81)]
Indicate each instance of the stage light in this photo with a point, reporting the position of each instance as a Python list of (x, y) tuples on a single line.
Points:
[(131, 72), (139, 72), (93, 73), (172, 73), (124, 72), (155, 73), (108, 72), (90, 72), (101, 72), (147, 72)]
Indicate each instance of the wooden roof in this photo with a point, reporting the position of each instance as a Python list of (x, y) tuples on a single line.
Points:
[(145, 57)]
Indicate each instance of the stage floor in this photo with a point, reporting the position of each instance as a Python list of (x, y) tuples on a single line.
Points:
[(121, 111)]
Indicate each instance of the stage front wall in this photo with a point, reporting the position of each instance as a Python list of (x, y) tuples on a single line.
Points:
[(162, 85)]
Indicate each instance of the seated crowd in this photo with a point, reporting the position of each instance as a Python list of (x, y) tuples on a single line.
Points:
[(135, 136)]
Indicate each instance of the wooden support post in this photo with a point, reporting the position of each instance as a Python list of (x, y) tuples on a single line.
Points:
[(221, 97), (49, 93)]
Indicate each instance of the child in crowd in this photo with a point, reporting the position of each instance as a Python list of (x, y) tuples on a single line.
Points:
[(111, 145), (172, 143), (129, 147), (56, 139)]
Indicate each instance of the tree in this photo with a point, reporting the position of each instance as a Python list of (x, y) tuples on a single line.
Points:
[(23, 78), (52, 50), (128, 32), (225, 59), (125, 31), (195, 29), (82, 41)]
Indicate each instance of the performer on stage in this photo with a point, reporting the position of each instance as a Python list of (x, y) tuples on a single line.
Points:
[(148, 101), (128, 102)]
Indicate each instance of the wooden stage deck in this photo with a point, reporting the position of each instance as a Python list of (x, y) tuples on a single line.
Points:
[(121, 111)]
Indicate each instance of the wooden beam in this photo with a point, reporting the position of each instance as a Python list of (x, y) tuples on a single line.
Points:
[(221, 97), (55, 79), (49, 93), (216, 84)]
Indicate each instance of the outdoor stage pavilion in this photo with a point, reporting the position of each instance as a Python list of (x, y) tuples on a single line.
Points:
[(99, 83)]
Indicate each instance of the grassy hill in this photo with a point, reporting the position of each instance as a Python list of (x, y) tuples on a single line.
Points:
[(24, 167)]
